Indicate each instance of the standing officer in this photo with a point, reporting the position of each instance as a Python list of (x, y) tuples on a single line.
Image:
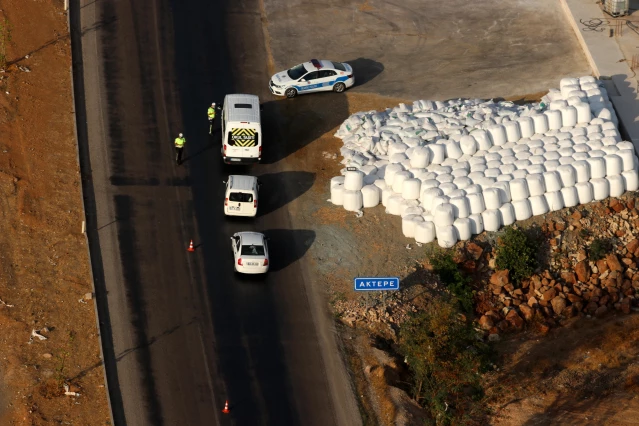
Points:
[(179, 147), (211, 114)]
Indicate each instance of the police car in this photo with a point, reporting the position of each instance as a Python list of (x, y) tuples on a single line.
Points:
[(313, 76)]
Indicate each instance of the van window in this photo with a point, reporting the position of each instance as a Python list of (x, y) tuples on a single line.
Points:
[(246, 106), (240, 197), (243, 137), (252, 250)]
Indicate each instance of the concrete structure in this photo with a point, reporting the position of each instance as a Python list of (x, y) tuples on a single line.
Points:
[(608, 63)]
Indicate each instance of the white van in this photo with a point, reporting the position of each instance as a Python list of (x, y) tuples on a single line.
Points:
[(241, 129), (241, 196)]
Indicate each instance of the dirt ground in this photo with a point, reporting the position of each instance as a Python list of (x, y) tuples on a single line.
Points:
[(583, 373), (44, 263)]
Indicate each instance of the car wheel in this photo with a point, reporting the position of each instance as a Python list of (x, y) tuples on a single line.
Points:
[(339, 88), (290, 92)]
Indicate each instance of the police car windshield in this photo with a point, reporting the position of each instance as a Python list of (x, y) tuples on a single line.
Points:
[(296, 72), (339, 66), (252, 250)]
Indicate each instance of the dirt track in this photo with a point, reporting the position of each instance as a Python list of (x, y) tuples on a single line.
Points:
[(43, 258)]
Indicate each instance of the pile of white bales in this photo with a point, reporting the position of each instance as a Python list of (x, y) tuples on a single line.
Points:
[(456, 168)]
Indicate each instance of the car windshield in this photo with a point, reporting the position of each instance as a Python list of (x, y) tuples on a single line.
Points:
[(240, 197), (339, 66), (252, 250), (296, 72)]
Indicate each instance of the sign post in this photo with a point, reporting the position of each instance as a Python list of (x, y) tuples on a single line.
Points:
[(376, 284)]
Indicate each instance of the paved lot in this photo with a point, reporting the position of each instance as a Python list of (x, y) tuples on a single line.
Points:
[(432, 49)]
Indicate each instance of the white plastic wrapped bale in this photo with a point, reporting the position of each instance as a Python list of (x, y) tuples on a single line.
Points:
[(476, 224), (582, 171), (446, 236), (492, 198), (616, 184), (552, 181), (497, 134), (630, 180), (468, 145), (614, 165), (394, 205), (570, 196), (513, 132), (409, 224), (507, 213), (427, 197), (484, 141), (538, 205), (584, 192), (597, 167), (567, 175), (399, 179), (391, 171), (541, 123), (569, 116), (448, 188), (420, 157), (476, 203), (438, 153), (381, 184), (463, 227), (411, 189), (353, 200), (504, 191), (461, 207), (425, 232), (536, 185), (554, 200), (370, 196), (523, 209), (337, 194), (554, 119), (337, 180), (413, 210), (453, 150), (519, 189), (628, 158), (492, 220), (353, 180), (600, 188), (444, 215)]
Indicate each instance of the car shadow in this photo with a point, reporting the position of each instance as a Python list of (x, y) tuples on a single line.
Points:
[(272, 197), (280, 246), (291, 124), (365, 70)]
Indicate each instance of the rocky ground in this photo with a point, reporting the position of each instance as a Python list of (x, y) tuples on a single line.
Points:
[(570, 297)]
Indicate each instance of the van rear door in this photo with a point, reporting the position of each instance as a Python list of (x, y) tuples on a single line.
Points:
[(242, 142), (241, 203)]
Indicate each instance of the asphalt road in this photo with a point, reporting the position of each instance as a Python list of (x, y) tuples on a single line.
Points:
[(181, 333)]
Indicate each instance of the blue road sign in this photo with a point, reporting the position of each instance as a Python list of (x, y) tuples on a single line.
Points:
[(376, 284)]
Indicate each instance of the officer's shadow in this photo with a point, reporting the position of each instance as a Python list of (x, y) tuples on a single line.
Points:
[(213, 140)]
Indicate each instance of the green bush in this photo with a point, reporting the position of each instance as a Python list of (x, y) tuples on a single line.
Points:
[(599, 248), (517, 253), (457, 283), (445, 358)]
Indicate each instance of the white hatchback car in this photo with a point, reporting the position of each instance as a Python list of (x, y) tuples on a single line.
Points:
[(250, 253), (312, 76)]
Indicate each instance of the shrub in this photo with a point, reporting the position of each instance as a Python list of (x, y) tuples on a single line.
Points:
[(445, 359), (457, 283), (517, 253), (599, 248)]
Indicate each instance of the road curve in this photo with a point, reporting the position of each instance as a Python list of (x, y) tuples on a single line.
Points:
[(181, 333)]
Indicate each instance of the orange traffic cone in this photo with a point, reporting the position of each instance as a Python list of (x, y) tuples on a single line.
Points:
[(191, 248), (226, 408)]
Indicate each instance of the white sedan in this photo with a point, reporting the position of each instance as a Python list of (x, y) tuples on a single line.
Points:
[(250, 252), (312, 76)]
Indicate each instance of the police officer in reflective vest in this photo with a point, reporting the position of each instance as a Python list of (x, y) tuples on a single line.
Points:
[(211, 114), (179, 147)]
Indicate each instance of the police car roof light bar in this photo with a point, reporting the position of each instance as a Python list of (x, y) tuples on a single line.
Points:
[(316, 63)]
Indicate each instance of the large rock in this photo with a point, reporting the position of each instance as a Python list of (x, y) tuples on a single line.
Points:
[(613, 262), (601, 311), (549, 295), (602, 266), (558, 304), (474, 250), (533, 302), (582, 269), (527, 312), (632, 246), (514, 319), (486, 323), (569, 277), (500, 278), (573, 298)]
